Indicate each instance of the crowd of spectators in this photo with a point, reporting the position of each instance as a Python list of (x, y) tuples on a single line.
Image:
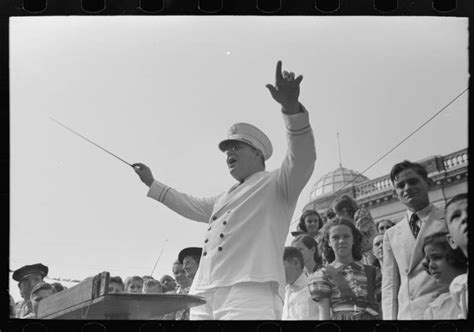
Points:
[(356, 269), (341, 265), (33, 288)]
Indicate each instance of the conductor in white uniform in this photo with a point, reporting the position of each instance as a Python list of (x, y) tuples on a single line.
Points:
[(241, 273)]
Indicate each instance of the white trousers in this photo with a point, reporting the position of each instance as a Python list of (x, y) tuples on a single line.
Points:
[(242, 301)]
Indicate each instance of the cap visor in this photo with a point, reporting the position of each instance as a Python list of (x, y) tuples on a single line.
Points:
[(223, 145)]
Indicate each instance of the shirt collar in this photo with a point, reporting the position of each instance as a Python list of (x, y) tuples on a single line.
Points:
[(356, 265), (305, 271), (421, 213), (302, 281), (299, 283)]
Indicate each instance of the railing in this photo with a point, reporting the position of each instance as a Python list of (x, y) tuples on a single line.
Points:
[(369, 187), (455, 159), (383, 183)]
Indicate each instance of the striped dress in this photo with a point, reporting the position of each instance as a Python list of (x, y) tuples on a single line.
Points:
[(322, 285)]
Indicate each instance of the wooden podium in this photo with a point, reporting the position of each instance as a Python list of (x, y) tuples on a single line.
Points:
[(90, 300)]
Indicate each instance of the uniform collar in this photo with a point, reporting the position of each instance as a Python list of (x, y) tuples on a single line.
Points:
[(255, 175), (249, 179)]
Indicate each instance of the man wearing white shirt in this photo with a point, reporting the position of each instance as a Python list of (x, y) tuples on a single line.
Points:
[(241, 273), (298, 302)]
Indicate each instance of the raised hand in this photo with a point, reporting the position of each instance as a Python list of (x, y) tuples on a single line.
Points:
[(144, 173), (286, 90)]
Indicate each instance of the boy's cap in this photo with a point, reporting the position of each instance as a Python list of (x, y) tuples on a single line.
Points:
[(26, 270)]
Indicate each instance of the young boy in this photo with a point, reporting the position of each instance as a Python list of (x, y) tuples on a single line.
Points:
[(152, 286), (456, 219), (39, 292), (116, 285)]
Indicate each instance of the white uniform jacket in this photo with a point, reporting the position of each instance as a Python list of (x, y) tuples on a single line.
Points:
[(407, 288), (248, 225)]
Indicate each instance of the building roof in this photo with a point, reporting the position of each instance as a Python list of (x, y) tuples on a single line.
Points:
[(334, 181)]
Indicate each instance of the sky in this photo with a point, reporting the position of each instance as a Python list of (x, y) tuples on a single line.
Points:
[(164, 91)]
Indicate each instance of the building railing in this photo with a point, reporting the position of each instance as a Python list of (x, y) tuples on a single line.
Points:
[(455, 159), (383, 183), (370, 187)]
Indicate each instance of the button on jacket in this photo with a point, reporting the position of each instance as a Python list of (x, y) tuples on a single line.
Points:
[(253, 217)]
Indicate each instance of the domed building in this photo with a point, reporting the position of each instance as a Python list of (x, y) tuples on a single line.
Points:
[(334, 181), (329, 186)]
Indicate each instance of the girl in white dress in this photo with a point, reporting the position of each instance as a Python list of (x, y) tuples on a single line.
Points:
[(443, 263)]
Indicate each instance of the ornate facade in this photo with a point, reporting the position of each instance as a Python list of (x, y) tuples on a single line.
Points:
[(448, 173)]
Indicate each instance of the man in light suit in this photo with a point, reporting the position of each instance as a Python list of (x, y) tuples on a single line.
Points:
[(406, 288)]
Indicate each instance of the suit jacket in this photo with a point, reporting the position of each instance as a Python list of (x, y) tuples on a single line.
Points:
[(407, 288)]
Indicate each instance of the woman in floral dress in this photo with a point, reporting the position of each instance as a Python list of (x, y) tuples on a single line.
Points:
[(345, 289)]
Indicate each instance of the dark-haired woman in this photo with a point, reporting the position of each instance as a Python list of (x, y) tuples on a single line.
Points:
[(345, 289), (346, 206), (311, 224)]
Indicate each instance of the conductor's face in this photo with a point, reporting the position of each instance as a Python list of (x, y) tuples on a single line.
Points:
[(243, 160)]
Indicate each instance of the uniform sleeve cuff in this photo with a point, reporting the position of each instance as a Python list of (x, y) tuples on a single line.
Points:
[(158, 191), (297, 123)]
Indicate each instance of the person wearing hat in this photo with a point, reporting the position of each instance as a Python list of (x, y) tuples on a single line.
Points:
[(27, 277), (180, 276), (241, 274), (190, 258)]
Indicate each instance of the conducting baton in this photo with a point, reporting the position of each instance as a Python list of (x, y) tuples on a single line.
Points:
[(75, 132), (154, 267)]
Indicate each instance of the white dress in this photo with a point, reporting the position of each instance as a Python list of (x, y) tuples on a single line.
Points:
[(459, 293), (442, 308)]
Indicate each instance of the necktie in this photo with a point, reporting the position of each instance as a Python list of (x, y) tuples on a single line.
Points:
[(415, 229)]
